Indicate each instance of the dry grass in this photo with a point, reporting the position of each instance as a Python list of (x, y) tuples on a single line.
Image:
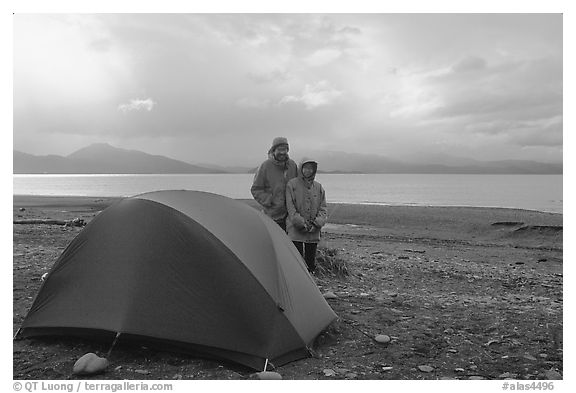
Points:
[(329, 263)]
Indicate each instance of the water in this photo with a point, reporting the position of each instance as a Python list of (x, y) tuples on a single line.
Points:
[(533, 192)]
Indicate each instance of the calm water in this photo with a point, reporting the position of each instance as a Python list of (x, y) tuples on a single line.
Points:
[(534, 192)]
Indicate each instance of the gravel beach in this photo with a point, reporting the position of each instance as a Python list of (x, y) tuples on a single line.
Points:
[(460, 293)]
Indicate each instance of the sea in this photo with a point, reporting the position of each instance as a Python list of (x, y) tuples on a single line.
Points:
[(531, 192)]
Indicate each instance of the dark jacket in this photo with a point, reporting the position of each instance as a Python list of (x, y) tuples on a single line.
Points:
[(306, 202), (269, 185)]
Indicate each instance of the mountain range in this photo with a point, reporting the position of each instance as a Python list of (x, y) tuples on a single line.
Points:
[(105, 159)]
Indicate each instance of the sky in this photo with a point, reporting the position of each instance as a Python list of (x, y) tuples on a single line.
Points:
[(217, 88)]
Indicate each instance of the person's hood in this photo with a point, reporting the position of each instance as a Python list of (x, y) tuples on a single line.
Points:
[(304, 161), (280, 140), (276, 162)]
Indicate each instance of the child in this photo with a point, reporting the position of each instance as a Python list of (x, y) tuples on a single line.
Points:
[(307, 213)]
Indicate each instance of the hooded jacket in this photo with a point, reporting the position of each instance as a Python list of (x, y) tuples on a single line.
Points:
[(269, 185), (305, 202)]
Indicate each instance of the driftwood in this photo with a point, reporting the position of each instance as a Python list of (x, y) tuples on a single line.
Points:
[(77, 222)]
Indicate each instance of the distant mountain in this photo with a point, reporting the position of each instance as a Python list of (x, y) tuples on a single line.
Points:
[(330, 161), (103, 158), (28, 163)]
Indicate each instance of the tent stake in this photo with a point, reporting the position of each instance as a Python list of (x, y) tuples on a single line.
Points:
[(113, 343), (266, 364)]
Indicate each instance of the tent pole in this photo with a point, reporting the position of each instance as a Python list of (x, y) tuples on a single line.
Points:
[(266, 364), (113, 343)]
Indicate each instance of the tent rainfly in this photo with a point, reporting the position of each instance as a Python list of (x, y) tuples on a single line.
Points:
[(188, 271)]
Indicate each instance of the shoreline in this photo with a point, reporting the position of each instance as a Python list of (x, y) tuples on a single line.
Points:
[(467, 224), (443, 206), (21, 200)]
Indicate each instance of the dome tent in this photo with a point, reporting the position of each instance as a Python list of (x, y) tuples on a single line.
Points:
[(189, 271)]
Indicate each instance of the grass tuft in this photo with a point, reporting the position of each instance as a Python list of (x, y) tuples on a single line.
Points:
[(329, 263)]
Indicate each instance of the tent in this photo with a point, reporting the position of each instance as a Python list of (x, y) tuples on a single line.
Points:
[(187, 271)]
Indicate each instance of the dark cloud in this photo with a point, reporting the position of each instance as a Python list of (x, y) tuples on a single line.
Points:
[(519, 105), (534, 136), (540, 132), (513, 91)]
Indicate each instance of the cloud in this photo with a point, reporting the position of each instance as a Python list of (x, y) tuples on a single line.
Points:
[(529, 133), (137, 104), (275, 76), (350, 30), (323, 56), (388, 82), (509, 90), (100, 45), (315, 95), (470, 63)]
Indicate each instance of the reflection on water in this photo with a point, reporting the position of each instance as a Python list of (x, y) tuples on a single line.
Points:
[(534, 192)]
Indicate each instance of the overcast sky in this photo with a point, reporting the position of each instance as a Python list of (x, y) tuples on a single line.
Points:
[(216, 88)]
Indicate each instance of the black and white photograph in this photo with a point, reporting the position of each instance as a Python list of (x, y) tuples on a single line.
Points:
[(312, 196)]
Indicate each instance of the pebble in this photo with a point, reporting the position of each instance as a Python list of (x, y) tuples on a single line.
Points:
[(459, 370), (426, 368), (529, 357), (328, 372), (387, 368), (144, 372), (476, 377), (351, 375), (508, 375), (330, 295), (553, 374), (382, 339), (90, 363)]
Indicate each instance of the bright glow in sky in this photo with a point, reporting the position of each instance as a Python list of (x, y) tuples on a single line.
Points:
[(216, 88)]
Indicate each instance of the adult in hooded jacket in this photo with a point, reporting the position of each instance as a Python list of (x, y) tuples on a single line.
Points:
[(269, 184), (307, 212)]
